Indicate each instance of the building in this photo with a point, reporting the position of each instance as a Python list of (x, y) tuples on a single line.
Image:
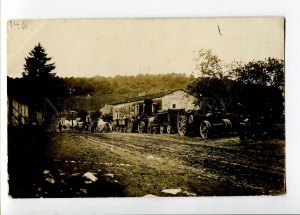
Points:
[(179, 99), (106, 109), (19, 113), (147, 105), (36, 117)]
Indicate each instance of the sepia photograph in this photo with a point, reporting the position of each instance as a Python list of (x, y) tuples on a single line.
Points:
[(146, 107)]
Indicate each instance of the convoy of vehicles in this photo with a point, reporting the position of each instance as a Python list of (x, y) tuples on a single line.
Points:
[(184, 122)]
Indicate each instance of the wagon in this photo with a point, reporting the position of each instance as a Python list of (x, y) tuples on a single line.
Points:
[(259, 127), (207, 125), (125, 124), (141, 123), (92, 127), (164, 121)]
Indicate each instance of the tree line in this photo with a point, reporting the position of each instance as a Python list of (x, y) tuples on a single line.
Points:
[(39, 81), (258, 85)]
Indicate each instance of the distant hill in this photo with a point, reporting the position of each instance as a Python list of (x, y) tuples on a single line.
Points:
[(93, 93)]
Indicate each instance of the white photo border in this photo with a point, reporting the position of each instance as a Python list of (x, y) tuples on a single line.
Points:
[(57, 9)]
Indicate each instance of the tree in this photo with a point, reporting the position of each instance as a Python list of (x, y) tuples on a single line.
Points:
[(209, 64), (212, 93), (37, 64), (261, 86), (39, 81), (269, 72), (257, 85)]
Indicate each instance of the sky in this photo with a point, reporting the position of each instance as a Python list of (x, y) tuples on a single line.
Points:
[(110, 47)]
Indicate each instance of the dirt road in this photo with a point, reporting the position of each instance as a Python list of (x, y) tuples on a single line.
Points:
[(142, 164)]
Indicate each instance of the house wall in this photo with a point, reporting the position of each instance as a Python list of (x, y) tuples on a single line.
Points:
[(19, 113), (178, 100), (130, 108), (107, 109), (18, 110), (36, 117)]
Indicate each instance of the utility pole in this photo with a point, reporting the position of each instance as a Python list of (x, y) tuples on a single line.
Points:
[(89, 102)]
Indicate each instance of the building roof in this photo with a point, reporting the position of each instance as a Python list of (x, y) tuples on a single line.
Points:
[(148, 96)]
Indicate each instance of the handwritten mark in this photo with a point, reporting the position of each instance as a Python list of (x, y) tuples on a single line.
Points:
[(219, 30), (15, 24)]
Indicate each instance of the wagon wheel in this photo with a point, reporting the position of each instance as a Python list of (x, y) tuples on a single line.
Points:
[(242, 132), (129, 126), (204, 129), (243, 135), (169, 129), (141, 126), (227, 125), (149, 129), (161, 129), (154, 130), (182, 125)]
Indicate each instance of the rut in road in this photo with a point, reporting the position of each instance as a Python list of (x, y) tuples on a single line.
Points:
[(229, 151), (223, 159)]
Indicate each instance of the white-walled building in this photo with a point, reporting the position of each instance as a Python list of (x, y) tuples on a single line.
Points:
[(178, 99)]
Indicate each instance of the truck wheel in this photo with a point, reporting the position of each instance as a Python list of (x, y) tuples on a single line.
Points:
[(149, 129), (141, 126), (161, 129), (169, 129), (129, 127), (204, 129), (182, 125)]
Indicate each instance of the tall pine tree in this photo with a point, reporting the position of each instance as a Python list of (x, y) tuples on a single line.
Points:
[(37, 65), (40, 84)]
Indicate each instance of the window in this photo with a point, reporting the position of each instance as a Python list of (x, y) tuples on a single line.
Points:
[(136, 109), (174, 105)]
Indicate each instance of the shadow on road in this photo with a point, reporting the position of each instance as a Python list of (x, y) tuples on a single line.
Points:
[(31, 174)]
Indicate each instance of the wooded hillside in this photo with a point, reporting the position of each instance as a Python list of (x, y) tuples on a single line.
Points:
[(93, 93)]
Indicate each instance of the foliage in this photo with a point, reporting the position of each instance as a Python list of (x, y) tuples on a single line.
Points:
[(142, 83), (266, 73), (213, 93), (37, 65), (39, 85), (257, 85), (71, 93), (208, 64)]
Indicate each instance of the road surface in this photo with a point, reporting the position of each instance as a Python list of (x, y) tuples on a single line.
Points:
[(133, 164)]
